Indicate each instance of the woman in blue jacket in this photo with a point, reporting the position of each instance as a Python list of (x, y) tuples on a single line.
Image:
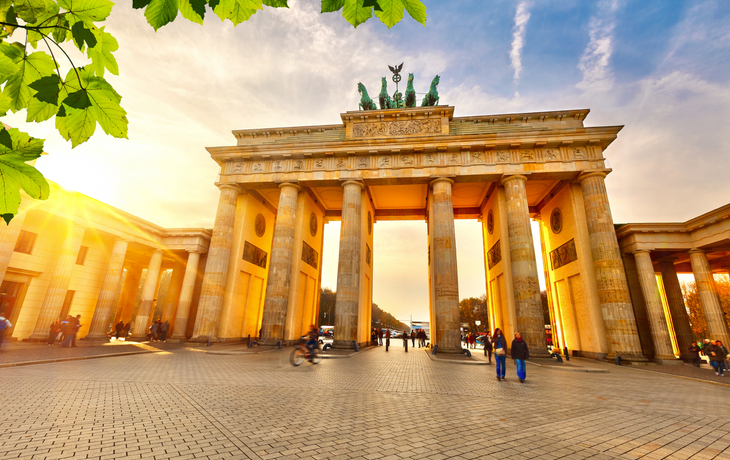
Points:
[(500, 352)]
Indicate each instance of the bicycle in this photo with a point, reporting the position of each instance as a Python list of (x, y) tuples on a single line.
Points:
[(300, 353)]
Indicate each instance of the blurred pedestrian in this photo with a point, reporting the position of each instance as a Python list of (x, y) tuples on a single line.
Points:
[(125, 331), (53, 331), (694, 351), (75, 326), (5, 324), (380, 336), (520, 354), (718, 355), (164, 327), (153, 331), (488, 346), (471, 340), (500, 353), (118, 328), (405, 340), (413, 338)]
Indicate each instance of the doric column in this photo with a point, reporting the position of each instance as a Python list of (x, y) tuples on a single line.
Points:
[(348, 267), (142, 321), (173, 293), (107, 294), (613, 289), (282, 255), (654, 308), (186, 296), (125, 308), (8, 239), (445, 271), (675, 299), (61, 277), (528, 305), (216, 268), (716, 324)]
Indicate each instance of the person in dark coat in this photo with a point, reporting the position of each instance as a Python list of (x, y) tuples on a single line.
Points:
[(500, 352), (413, 338), (405, 340), (488, 346), (118, 328), (125, 331), (380, 336), (694, 350), (55, 328), (520, 354), (164, 327), (717, 353)]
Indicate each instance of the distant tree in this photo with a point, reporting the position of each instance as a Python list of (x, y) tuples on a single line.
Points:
[(382, 318), (327, 307), (545, 307), (694, 305), (474, 309)]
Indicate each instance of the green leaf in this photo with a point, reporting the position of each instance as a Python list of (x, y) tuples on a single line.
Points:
[(138, 4), (355, 13), (60, 33), (15, 142), (89, 11), (10, 18), (30, 10), (372, 3), (32, 67), (237, 11), (161, 12), (47, 89), (330, 6), (193, 10), (416, 10), (16, 174), (101, 54), (82, 36), (4, 104), (43, 19), (7, 68), (276, 3), (392, 12)]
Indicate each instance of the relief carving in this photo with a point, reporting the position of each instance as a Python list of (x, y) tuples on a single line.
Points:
[(238, 167), (319, 163), (309, 255), (494, 255), (362, 162), (527, 155), (384, 162), (477, 157), (578, 153), (563, 255), (299, 164), (551, 154), (396, 128), (258, 167), (429, 159), (454, 158), (341, 163), (254, 255), (406, 160), (278, 165), (502, 155)]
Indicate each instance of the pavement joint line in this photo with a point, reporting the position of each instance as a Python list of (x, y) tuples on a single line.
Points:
[(75, 358), (681, 376), (245, 450), (454, 361)]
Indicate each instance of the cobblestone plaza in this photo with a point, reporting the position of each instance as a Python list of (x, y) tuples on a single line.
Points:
[(189, 403)]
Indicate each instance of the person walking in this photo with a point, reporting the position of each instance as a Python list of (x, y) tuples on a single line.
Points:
[(118, 328), (374, 337), (153, 331), (380, 337), (405, 340), (472, 340), (500, 353), (5, 324), (413, 338), (694, 350), (520, 354), (125, 331), (53, 331), (75, 329), (164, 327), (488, 346), (718, 355)]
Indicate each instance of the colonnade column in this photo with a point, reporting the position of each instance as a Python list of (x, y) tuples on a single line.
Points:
[(675, 299), (348, 267), (613, 289), (716, 325), (60, 279), (125, 308), (654, 308), (109, 288), (216, 268), (142, 321), (186, 296), (528, 304), (282, 255), (9, 234)]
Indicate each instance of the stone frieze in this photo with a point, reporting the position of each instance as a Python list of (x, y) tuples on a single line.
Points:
[(396, 128)]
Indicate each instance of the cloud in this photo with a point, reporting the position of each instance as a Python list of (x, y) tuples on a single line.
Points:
[(518, 38), (594, 63)]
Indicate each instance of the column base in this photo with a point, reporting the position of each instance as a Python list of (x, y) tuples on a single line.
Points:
[(668, 361), (204, 339), (139, 338), (540, 354), (348, 344), (272, 343), (629, 357), (38, 338), (177, 339), (96, 338), (450, 350)]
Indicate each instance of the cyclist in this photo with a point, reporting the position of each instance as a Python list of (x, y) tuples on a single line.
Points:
[(312, 340)]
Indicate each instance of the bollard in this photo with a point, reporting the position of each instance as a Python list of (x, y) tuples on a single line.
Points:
[(405, 344), (208, 343), (618, 360), (387, 344), (435, 347), (248, 340), (354, 343), (567, 355)]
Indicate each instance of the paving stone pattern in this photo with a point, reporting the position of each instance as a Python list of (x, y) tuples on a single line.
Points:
[(189, 404)]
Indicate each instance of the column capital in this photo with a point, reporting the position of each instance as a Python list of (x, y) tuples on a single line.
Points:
[(353, 182), (585, 175), (696, 251), (641, 251), (291, 184), (510, 177), (669, 259), (225, 185), (194, 251), (157, 250), (442, 179)]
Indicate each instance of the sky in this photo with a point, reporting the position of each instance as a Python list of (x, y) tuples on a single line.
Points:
[(659, 68)]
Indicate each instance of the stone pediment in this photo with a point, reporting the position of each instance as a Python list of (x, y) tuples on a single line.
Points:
[(418, 121)]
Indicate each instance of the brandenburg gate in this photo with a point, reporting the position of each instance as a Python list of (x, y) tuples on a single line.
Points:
[(279, 186)]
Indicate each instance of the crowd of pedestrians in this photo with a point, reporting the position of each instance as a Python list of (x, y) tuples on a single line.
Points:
[(63, 331), (158, 331), (715, 351)]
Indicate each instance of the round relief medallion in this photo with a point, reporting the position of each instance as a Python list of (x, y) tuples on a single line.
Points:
[(490, 222), (313, 224), (370, 223), (260, 225), (556, 220)]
